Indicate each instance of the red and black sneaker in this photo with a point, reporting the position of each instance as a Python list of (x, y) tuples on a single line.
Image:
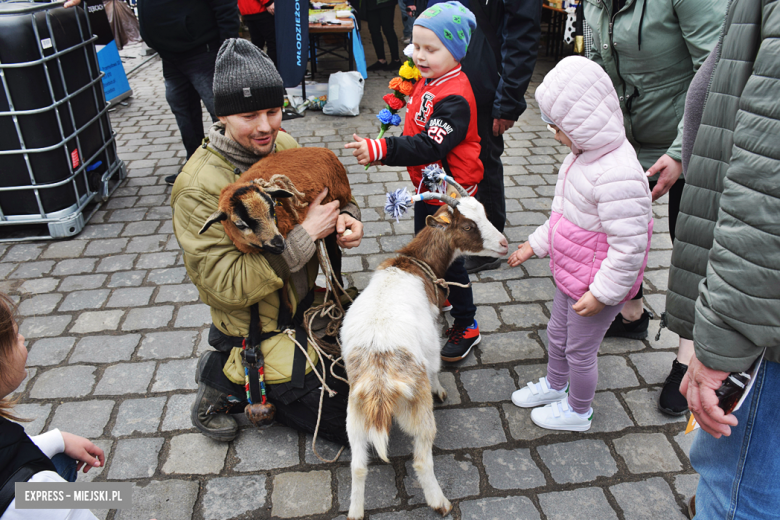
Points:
[(460, 342)]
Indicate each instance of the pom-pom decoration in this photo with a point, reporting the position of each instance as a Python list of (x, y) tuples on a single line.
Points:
[(398, 203), (433, 177)]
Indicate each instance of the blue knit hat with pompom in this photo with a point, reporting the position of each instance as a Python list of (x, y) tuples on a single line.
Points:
[(452, 24)]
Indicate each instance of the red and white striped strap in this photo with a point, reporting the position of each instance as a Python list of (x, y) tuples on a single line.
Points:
[(377, 149)]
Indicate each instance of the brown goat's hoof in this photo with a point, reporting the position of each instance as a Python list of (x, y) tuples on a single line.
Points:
[(445, 509), (441, 396), (260, 415)]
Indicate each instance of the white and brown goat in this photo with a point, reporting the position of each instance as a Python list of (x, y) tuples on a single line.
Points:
[(270, 198), (390, 343)]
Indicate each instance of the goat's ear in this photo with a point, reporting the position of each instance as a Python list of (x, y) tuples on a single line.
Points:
[(278, 193), (441, 220), (217, 216)]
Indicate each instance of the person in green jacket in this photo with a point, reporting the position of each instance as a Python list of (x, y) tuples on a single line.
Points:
[(725, 283), (651, 50), (248, 98)]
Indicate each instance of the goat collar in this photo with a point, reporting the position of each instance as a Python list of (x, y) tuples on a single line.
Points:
[(440, 282)]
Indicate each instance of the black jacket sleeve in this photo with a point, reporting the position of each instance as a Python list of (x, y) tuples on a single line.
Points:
[(227, 15), (520, 34), (446, 128)]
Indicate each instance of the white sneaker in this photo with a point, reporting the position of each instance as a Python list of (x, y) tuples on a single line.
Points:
[(536, 394), (558, 416)]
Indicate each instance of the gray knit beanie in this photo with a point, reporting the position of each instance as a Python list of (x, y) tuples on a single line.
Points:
[(245, 79)]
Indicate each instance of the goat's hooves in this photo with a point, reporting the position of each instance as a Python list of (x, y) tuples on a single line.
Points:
[(445, 509), (441, 396)]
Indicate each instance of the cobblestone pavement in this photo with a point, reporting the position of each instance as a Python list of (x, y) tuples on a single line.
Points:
[(114, 330)]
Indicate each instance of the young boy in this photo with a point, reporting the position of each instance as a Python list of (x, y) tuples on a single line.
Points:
[(440, 128)]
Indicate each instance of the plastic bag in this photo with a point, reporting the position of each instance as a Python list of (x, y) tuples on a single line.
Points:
[(123, 22), (345, 90)]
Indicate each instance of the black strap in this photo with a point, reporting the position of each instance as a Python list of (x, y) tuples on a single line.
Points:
[(22, 474), (299, 358), (488, 29)]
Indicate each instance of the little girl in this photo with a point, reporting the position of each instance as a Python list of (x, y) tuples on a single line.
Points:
[(598, 237), (51, 457)]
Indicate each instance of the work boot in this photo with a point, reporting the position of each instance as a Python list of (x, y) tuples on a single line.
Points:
[(671, 401), (475, 264), (211, 411)]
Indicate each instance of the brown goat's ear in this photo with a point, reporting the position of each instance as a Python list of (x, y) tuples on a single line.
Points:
[(278, 193), (441, 221), (217, 216)]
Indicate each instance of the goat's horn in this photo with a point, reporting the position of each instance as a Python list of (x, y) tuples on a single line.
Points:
[(460, 189), (428, 195)]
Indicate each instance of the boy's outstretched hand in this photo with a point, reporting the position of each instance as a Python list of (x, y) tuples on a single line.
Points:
[(523, 253), (588, 305), (361, 150)]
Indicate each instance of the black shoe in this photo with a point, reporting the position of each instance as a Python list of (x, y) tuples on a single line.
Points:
[(170, 179), (394, 65), (377, 66), (636, 329), (211, 411), (671, 401), (475, 264), (461, 341)]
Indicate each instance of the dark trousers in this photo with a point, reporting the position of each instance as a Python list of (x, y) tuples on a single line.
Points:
[(383, 18), (675, 195), (262, 29), (462, 300), (491, 189), (188, 81)]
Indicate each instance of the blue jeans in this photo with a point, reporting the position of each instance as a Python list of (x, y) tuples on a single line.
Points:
[(739, 473), (187, 82), (66, 466)]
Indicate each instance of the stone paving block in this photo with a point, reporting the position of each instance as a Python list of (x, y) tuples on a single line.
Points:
[(147, 244), (512, 469), (210, 455), (37, 412), (504, 272), (80, 300), (116, 263), (134, 297), (105, 349), (127, 279), (537, 267), (488, 385), (457, 476), (162, 345), (608, 414), (578, 461), (38, 286), (106, 247), (509, 346), (5, 269), (156, 260), (43, 327), (175, 375), (421, 513), (74, 266), (77, 283), (521, 427), (615, 373), (447, 380), (193, 316), (243, 494), (643, 404), (176, 293), (23, 253), (39, 305), (135, 458), (177, 412), (532, 289), (468, 428), (619, 346), (499, 509), (144, 227), (326, 449), (380, 487), (154, 500), (647, 453), (84, 418), (489, 292), (170, 275), (97, 321), (654, 367), (72, 381), (272, 448), (684, 441), (125, 378), (659, 279), (30, 374), (148, 318), (524, 315), (138, 416), (578, 504), (647, 500), (668, 340), (487, 319), (49, 351), (301, 494), (101, 231), (686, 485)]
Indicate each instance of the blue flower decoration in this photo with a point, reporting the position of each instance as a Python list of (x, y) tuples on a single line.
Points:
[(396, 120), (398, 202), (385, 116)]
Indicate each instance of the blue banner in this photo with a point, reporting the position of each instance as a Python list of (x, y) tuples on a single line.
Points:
[(292, 40)]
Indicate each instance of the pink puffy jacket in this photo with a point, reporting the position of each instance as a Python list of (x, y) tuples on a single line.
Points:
[(598, 235)]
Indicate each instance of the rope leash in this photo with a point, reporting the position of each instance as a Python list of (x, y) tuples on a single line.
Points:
[(441, 282)]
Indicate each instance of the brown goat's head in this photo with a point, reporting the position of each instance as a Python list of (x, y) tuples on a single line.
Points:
[(469, 229), (247, 212)]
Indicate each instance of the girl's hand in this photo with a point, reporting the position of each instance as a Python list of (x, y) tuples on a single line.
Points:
[(84, 451), (361, 150), (588, 305), (523, 253)]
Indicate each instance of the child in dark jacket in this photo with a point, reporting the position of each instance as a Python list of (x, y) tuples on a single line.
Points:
[(440, 128)]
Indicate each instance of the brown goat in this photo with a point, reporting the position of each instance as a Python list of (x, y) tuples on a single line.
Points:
[(268, 200)]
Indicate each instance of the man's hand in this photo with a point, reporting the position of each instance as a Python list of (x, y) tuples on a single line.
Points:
[(72, 3), (361, 150), (502, 125), (84, 451), (270, 8), (699, 385), (352, 239), (668, 171), (321, 218), (588, 305), (523, 253)]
